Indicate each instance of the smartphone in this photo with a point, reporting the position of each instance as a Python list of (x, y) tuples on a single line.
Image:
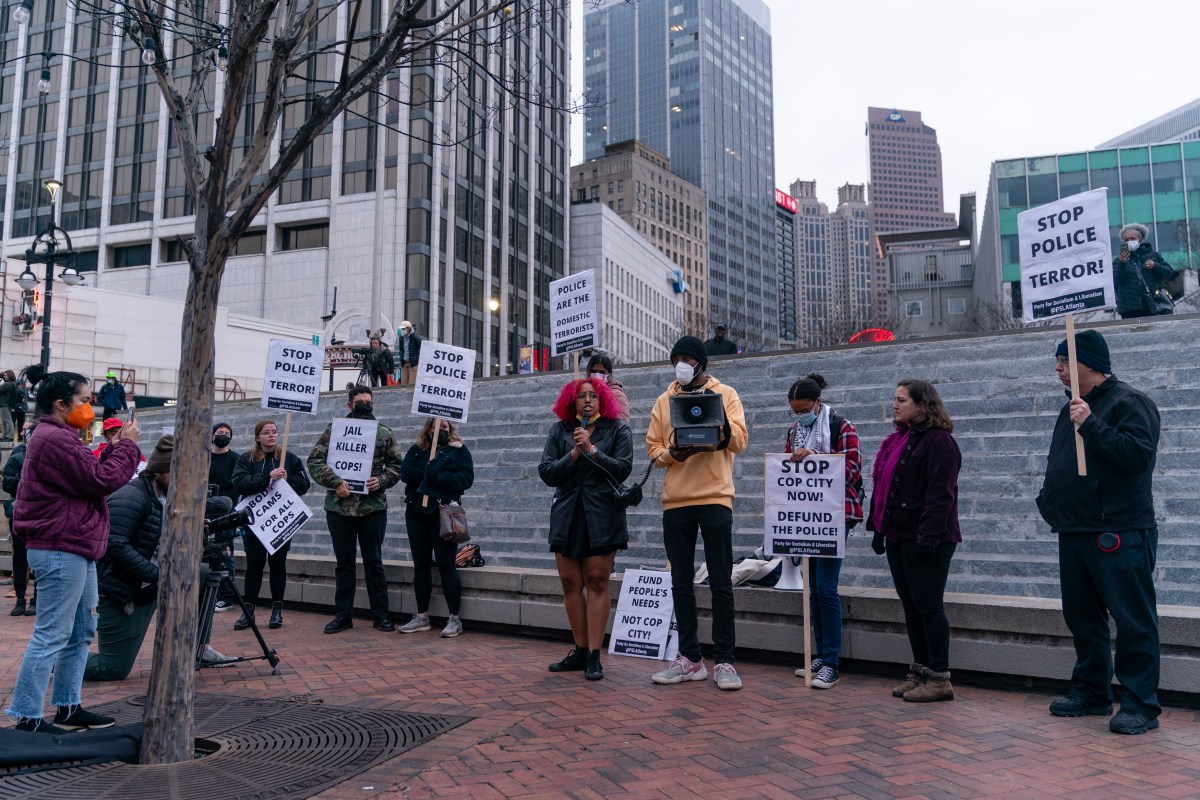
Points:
[(132, 410)]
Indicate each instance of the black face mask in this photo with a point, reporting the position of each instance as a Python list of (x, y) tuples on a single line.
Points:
[(362, 410), (443, 438), (221, 440)]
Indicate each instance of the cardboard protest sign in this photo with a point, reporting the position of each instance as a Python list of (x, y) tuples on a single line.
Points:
[(645, 616), (277, 513), (573, 319), (1066, 265), (444, 379), (292, 381), (352, 451), (804, 510)]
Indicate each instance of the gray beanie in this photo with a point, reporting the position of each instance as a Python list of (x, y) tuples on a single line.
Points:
[(1136, 227)]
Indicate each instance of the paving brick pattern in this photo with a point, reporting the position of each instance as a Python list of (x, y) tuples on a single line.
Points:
[(538, 735)]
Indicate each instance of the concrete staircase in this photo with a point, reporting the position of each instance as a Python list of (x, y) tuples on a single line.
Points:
[(1000, 390)]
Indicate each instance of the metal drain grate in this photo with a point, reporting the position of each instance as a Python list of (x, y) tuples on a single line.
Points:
[(267, 749)]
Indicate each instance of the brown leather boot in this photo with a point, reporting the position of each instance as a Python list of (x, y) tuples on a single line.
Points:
[(936, 687), (914, 679)]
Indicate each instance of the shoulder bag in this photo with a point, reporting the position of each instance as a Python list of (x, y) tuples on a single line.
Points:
[(454, 523), (1157, 301)]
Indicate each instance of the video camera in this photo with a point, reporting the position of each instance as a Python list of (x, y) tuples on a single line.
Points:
[(698, 419), (220, 527)]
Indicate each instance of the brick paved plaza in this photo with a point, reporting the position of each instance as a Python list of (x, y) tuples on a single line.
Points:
[(538, 735)]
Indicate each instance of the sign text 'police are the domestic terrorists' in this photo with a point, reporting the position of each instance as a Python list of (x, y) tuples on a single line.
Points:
[(277, 513), (292, 381), (645, 616), (573, 319), (352, 450), (444, 379), (1066, 265), (804, 512)]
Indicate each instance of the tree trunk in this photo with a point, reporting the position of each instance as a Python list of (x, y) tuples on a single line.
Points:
[(168, 722)]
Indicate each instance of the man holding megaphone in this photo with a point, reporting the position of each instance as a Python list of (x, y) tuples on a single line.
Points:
[(696, 428)]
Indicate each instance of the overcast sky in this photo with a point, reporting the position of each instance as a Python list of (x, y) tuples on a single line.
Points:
[(995, 79)]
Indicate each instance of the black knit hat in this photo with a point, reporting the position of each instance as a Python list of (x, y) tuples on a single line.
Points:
[(225, 425), (1090, 349), (691, 346), (160, 459)]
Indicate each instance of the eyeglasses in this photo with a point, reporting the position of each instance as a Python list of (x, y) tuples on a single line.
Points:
[(586, 396), (1062, 360)]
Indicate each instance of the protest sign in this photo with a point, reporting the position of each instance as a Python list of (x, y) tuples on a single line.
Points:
[(444, 377), (805, 506), (293, 378), (573, 318), (352, 451), (645, 618), (1066, 266), (277, 513)]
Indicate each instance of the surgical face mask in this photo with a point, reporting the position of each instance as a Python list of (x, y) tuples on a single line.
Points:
[(81, 417), (1132, 244), (684, 373), (362, 410), (222, 440), (600, 376), (807, 418)]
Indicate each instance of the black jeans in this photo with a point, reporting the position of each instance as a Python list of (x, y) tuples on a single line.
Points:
[(20, 565), (256, 560), (424, 538), (920, 579), (715, 524), (1096, 584), (365, 534)]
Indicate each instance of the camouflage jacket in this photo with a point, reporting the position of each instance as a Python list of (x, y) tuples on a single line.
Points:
[(385, 466)]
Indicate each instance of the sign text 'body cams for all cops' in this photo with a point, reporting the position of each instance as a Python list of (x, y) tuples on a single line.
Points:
[(292, 381), (573, 313), (804, 510), (444, 378), (277, 513), (1066, 263), (352, 450)]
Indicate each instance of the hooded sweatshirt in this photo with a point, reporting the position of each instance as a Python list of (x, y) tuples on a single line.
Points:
[(705, 478)]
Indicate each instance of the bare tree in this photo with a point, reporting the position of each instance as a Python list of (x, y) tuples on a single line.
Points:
[(231, 168)]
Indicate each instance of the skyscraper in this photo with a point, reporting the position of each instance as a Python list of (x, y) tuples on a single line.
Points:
[(906, 181), (692, 79), (1180, 125), (785, 270)]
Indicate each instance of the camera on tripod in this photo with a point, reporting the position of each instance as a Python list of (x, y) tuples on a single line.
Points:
[(220, 532)]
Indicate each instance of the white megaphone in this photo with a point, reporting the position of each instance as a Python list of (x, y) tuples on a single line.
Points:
[(791, 577)]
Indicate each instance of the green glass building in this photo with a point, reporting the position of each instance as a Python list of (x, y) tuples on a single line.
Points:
[(1157, 185)]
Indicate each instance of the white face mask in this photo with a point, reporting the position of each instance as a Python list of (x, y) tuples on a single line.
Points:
[(600, 376), (1132, 244), (684, 373)]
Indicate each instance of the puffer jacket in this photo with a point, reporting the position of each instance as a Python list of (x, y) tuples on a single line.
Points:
[(135, 525), (1129, 276), (251, 477), (584, 480), (60, 502)]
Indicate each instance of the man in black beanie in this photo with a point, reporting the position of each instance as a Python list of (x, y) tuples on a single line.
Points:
[(697, 497), (1107, 538), (220, 475)]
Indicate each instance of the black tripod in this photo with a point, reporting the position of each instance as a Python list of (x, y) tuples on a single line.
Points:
[(208, 604)]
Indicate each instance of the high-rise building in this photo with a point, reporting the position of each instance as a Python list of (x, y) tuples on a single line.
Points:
[(834, 272), (906, 181), (785, 270), (692, 80), (1180, 125), (1157, 186), (442, 193), (636, 182)]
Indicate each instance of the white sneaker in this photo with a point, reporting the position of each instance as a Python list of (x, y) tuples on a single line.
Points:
[(211, 656), (681, 669), (416, 624), (453, 627), (726, 677)]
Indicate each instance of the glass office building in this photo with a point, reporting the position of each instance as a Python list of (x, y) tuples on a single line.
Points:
[(1156, 185), (692, 79)]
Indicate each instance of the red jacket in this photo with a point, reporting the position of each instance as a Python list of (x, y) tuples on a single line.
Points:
[(60, 503)]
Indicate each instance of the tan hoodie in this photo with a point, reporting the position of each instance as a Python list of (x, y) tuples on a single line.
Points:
[(707, 477)]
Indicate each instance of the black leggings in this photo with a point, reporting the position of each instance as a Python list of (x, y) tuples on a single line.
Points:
[(20, 565), (256, 559), (920, 579), (424, 539)]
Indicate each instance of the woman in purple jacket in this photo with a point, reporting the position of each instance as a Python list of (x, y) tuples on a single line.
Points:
[(62, 515), (914, 508)]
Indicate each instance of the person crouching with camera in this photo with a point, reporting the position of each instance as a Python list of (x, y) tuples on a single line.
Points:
[(128, 572), (697, 498), (587, 454)]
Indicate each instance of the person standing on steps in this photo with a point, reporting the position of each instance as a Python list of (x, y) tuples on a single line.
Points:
[(409, 353), (112, 396)]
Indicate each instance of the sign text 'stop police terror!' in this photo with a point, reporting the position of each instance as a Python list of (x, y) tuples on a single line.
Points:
[(444, 379), (293, 377), (573, 318), (1066, 265)]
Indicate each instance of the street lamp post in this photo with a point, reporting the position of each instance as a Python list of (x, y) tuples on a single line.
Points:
[(51, 256)]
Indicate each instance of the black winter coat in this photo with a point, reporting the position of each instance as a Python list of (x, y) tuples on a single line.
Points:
[(251, 477), (581, 481), (1132, 295), (135, 525), (921, 504), (1120, 442), (12, 478), (443, 480)]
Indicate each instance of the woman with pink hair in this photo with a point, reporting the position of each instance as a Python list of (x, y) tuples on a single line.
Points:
[(588, 453)]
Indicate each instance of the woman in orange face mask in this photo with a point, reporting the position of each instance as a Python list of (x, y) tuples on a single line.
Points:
[(61, 513)]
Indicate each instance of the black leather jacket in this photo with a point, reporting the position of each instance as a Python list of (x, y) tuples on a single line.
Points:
[(582, 481)]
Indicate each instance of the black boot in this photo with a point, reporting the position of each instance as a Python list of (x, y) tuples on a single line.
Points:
[(244, 620), (593, 671), (276, 616), (575, 660), (19, 608)]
